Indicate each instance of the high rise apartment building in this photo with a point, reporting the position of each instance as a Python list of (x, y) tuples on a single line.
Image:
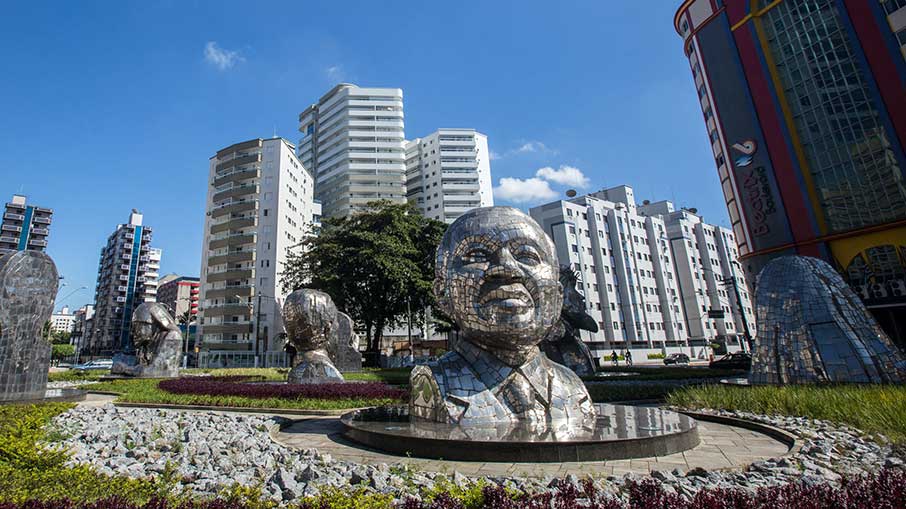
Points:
[(24, 226), (127, 276), (259, 206), (804, 104), (353, 143), (81, 327), (655, 279), (62, 321), (448, 173), (179, 294)]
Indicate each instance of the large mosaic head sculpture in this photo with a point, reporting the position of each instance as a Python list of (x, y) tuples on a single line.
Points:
[(497, 278), (310, 319), (157, 341), (28, 287), (812, 327)]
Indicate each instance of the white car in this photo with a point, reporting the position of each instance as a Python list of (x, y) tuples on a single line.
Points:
[(97, 364)]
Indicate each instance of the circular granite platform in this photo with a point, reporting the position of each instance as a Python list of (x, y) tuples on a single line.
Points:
[(721, 447), (618, 432), (51, 396)]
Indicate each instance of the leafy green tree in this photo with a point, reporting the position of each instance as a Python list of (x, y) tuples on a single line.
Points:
[(60, 337), (59, 352), (377, 265)]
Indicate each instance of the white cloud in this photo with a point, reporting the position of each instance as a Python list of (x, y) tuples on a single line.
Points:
[(527, 147), (335, 73), (494, 156), (532, 146), (221, 58), (524, 190), (566, 175)]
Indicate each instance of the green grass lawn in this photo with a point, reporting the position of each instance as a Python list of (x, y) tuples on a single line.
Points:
[(71, 375), (871, 408), (147, 391)]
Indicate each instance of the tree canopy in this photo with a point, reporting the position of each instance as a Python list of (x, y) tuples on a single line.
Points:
[(376, 265)]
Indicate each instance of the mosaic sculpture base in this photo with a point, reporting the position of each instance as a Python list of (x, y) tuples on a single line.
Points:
[(618, 432), (51, 396)]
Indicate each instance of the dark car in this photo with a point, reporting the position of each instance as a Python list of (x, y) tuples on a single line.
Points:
[(738, 360), (676, 358)]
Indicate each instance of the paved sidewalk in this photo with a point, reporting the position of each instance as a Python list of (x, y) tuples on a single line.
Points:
[(722, 447)]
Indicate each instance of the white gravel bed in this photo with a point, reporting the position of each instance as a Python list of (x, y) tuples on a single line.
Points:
[(210, 451)]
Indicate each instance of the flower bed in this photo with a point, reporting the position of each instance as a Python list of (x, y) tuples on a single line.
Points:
[(235, 386)]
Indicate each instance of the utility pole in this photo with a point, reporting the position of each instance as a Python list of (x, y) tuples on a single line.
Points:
[(745, 323), (257, 329)]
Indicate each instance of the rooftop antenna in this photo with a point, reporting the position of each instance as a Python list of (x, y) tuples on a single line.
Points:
[(275, 130)]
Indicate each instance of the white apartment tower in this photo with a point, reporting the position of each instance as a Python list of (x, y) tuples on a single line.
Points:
[(127, 276), (656, 280), (259, 206), (448, 172), (353, 143)]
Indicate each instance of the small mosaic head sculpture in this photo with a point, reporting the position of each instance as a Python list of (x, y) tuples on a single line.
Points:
[(497, 277), (310, 319), (157, 341)]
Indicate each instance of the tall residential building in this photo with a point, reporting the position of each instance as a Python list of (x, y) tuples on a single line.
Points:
[(179, 294), (127, 276), (62, 321), (81, 328), (24, 226), (656, 280), (449, 172), (353, 143), (805, 106), (259, 206)]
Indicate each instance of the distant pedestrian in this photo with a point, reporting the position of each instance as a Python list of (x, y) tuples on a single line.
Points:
[(614, 359), (628, 357)]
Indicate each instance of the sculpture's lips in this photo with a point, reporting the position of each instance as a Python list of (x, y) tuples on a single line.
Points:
[(509, 296)]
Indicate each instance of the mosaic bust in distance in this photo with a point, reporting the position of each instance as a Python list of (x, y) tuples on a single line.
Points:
[(497, 278), (157, 341), (310, 318)]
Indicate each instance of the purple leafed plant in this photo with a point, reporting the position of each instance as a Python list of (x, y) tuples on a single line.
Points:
[(234, 386)]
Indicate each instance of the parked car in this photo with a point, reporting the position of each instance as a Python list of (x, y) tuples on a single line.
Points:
[(97, 364), (737, 360), (676, 358)]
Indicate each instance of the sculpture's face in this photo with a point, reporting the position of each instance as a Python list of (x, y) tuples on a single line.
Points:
[(142, 332), (309, 317), (499, 280)]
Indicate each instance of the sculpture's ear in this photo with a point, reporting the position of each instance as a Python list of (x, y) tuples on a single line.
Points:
[(441, 295)]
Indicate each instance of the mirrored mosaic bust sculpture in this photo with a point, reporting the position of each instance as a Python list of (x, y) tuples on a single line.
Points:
[(28, 287), (497, 279), (343, 348), (563, 343), (310, 318), (157, 341), (812, 327)]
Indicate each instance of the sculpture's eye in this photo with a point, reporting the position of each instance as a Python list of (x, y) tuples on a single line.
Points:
[(475, 255), (527, 255)]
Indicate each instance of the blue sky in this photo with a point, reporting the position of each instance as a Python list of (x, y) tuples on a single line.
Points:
[(106, 106)]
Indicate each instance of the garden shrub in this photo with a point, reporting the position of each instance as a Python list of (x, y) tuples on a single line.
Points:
[(234, 386)]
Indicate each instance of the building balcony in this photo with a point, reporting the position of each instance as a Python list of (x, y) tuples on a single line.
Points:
[(15, 206), (40, 231), (14, 217), (235, 192), (228, 328), (235, 176), (238, 161), (227, 310), (231, 275), (451, 186), (7, 238), (233, 208), (238, 239), (11, 228), (122, 288), (230, 291), (121, 299), (241, 256), (233, 224)]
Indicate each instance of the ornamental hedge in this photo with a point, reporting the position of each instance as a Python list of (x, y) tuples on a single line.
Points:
[(240, 387)]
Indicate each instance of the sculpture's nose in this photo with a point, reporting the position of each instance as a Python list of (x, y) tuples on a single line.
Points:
[(504, 265)]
